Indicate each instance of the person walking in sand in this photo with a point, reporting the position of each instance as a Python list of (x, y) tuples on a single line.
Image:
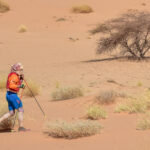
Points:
[(14, 83)]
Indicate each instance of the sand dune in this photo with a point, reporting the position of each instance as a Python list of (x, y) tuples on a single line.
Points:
[(55, 51)]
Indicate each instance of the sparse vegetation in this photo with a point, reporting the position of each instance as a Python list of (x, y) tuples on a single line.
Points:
[(8, 123), (137, 106), (34, 87), (2, 83), (4, 7), (130, 33), (139, 84), (144, 124), (95, 112), (121, 108), (106, 97), (62, 129), (22, 29), (82, 9), (67, 93), (140, 105)]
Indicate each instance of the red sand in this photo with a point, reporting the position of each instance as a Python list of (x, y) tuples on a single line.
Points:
[(49, 57)]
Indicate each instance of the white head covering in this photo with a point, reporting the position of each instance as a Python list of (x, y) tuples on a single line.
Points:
[(18, 68)]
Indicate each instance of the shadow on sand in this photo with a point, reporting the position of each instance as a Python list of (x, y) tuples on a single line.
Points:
[(121, 58), (5, 130)]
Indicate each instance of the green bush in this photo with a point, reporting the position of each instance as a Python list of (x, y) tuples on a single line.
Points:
[(62, 129), (67, 93), (95, 112)]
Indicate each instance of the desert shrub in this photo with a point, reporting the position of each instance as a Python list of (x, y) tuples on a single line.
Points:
[(8, 123), (130, 33), (143, 124), (4, 7), (22, 29), (139, 105), (134, 106), (82, 9), (139, 84), (121, 108), (62, 129), (106, 97), (67, 93), (2, 83), (34, 88), (95, 112)]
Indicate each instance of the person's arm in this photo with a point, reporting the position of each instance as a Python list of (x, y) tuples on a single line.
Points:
[(21, 77)]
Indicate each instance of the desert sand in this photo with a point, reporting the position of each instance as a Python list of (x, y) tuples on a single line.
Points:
[(50, 56)]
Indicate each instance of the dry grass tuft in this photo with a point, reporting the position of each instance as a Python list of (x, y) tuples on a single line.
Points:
[(134, 106), (8, 123), (82, 9), (140, 105), (121, 108), (143, 124), (3, 83), (22, 29), (95, 112), (34, 87), (67, 93), (137, 106), (139, 84), (4, 7), (62, 129), (106, 97)]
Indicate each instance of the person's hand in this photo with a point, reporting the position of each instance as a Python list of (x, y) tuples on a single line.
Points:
[(22, 86), (22, 77)]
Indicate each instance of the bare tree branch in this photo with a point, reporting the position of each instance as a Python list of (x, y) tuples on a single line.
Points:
[(130, 31)]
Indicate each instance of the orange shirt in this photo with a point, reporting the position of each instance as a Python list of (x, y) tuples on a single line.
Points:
[(13, 82)]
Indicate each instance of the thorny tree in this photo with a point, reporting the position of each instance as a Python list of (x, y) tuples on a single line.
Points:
[(130, 33)]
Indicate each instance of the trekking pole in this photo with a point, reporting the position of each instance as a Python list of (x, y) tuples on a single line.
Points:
[(34, 98)]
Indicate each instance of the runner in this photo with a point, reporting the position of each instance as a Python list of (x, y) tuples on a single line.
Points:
[(14, 83)]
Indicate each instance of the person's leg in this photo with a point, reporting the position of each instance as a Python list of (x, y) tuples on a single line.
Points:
[(20, 120), (10, 107), (20, 116), (17, 104), (6, 116)]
